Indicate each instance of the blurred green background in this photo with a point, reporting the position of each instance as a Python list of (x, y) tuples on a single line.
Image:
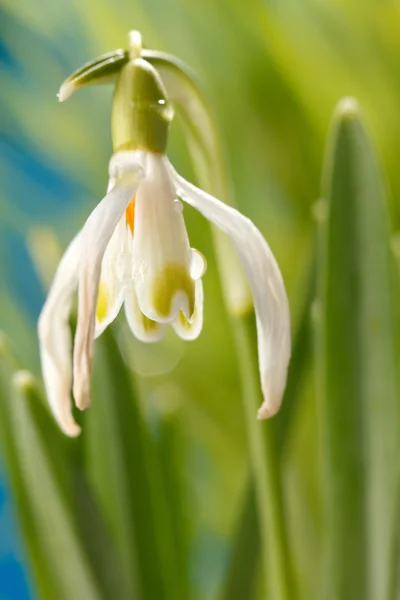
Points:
[(273, 73)]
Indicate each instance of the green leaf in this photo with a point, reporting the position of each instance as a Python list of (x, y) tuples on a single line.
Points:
[(245, 559), (97, 542), (357, 354), (43, 575), (38, 461), (123, 467), (172, 448)]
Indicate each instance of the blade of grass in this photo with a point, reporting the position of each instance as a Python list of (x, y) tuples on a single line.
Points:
[(96, 540), (244, 563), (356, 343), (42, 468), (43, 576), (172, 448)]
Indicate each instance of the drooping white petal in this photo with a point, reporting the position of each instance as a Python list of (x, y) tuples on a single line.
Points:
[(190, 329), (115, 272), (270, 299), (55, 338), (160, 248), (96, 234), (143, 328)]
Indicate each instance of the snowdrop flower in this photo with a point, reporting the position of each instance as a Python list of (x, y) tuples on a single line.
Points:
[(134, 251)]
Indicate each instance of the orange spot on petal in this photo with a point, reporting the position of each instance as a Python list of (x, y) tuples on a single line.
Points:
[(130, 214)]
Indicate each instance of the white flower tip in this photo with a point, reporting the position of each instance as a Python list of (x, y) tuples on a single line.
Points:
[(65, 91), (81, 393), (268, 409), (82, 371), (69, 426), (81, 386)]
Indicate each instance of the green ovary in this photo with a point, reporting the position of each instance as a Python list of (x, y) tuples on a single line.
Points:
[(171, 280)]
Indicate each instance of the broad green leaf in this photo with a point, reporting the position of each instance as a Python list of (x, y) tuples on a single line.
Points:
[(38, 462), (123, 468), (357, 354), (45, 583)]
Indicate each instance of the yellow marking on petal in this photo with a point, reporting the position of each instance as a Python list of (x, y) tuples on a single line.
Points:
[(148, 324), (102, 302), (171, 280), (130, 214), (183, 320)]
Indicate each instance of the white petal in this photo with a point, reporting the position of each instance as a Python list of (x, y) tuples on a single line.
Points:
[(143, 328), (96, 234), (270, 299), (115, 271), (191, 329), (160, 249), (55, 338)]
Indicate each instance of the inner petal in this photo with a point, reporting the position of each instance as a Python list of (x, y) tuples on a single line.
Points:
[(113, 278), (102, 302), (173, 286), (143, 328), (130, 215), (161, 254), (189, 329)]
